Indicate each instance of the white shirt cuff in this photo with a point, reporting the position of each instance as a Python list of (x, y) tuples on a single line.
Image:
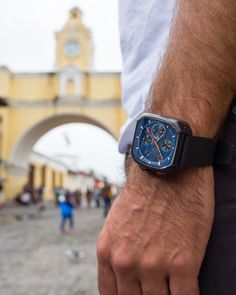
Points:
[(127, 134)]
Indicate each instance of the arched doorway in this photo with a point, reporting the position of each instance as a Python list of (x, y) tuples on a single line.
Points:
[(24, 146)]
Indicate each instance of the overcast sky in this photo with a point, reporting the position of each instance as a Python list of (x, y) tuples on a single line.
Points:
[(27, 32), (84, 147)]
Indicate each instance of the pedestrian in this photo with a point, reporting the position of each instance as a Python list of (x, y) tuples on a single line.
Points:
[(107, 196), (66, 208), (40, 198), (179, 82), (26, 196), (40, 193), (1, 194), (58, 191), (78, 197), (97, 193), (89, 197)]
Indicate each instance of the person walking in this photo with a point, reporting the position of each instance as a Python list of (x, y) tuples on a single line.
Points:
[(107, 196), (97, 193), (78, 197), (89, 197), (172, 229), (66, 208), (1, 194)]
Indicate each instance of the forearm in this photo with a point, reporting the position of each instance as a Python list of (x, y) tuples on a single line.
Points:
[(197, 79)]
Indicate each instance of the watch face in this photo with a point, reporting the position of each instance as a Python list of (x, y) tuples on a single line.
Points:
[(155, 142), (72, 48)]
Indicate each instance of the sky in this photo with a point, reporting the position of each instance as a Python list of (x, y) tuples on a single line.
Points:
[(84, 147), (27, 30)]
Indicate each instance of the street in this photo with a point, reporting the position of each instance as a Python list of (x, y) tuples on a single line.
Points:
[(36, 259)]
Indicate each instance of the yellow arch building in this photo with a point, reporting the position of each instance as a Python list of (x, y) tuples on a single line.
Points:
[(33, 103)]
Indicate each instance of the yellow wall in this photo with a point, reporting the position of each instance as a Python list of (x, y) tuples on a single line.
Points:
[(37, 174), (34, 87), (14, 186), (46, 87), (5, 78), (3, 132), (58, 179), (63, 179), (104, 86)]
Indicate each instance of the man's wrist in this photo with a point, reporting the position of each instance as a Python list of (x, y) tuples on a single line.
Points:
[(141, 183), (203, 117)]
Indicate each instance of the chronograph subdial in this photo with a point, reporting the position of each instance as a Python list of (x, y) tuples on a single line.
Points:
[(158, 131), (166, 145)]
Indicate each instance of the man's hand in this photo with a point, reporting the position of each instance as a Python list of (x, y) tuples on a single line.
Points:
[(155, 236)]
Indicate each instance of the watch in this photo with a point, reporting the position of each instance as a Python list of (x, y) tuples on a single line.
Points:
[(163, 144)]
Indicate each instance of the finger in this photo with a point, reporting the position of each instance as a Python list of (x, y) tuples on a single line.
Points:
[(125, 269), (155, 286), (128, 286), (154, 277), (106, 280), (180, 285), (126, 276)]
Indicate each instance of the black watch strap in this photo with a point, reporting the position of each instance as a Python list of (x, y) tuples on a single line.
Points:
[(197, 151), (201, 151)]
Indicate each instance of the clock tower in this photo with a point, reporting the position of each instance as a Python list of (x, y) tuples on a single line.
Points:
[(74, 44)]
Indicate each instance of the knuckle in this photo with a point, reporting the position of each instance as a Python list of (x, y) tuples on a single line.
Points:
[(180, 264), (123, 262), (102, 251)]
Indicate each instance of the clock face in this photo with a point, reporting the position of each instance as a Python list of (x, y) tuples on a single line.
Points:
[(155, 143), (72, 48)]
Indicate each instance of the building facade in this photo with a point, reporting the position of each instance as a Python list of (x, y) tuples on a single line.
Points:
[(31, 104)]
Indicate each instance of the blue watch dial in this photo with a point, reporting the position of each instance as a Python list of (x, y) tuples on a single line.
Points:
[(155, 142)]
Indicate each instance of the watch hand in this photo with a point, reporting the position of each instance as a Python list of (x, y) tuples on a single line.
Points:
[(155, 142)]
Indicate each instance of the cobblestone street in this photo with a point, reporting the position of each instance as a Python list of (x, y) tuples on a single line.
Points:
[(36, 259)]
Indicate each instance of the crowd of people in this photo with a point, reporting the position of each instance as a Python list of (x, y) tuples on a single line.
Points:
[(1, 193), (30, 195), (100, 194)]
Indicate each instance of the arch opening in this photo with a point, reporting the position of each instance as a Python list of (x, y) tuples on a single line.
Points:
[(24, 147)]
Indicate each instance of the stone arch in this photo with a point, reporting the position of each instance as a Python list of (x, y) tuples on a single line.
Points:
[(24, 146)]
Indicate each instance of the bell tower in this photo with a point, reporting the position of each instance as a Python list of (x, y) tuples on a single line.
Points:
[(74, 44)]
